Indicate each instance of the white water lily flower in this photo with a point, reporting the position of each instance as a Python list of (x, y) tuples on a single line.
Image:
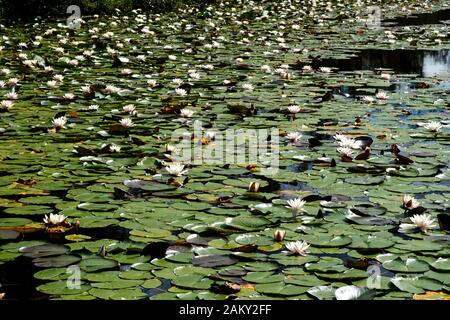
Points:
[(298, 247), (194, 75), (382, 95), (385, 76), (93, 107), (307, 69), (345, 151), (152, 83), (265, 68), (59, 122), (345, 142), (409, 202), (6, 104), (52, 84), (112, 89), (58, 77), (294, 136), (278, 235), (114, 148), (13, 81), (254, 186), (186, 113), (349, 293), (423, 222), (433, 126), (69, 96), (180, 92), (125, 72), (247, 87), (339, 137), (54, 219), (295, 205), (177, 81), (176, 169), (325, 69), (86, 89), (368, 99), (294, 109), (129, 108), (126, 122), (12, 96)]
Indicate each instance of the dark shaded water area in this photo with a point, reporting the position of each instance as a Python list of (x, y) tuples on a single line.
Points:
[(437, 17), (424, 63)]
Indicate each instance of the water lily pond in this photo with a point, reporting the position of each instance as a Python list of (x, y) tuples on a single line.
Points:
[(96, 204)]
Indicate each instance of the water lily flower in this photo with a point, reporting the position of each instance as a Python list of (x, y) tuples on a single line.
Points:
[(176, 169), (368, 99), (177, 81), (152, 83), (278, 235), (126, 122), (294, 137), (12, 96), (54, 219), (294, 109), (349, 293), (52, 84), (345, 151), (265, 68), (129, 108), (325, 69), (86, 89), (93, 107), (253, 186), (298, 247), (69, 96), (114, 148), (6, 104), (409, 202), (382, 95), (247, 87), (345, 142), (433, 126), (112, 89), (194, 75), (385, 76), (59, 122), (295, 205), (186, 113), (180, 92), (422, 222), (307, 69), (13, 81), (58, 77), (125, 72)]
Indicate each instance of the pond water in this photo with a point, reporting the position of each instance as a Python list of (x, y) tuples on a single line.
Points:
[(329, 138)]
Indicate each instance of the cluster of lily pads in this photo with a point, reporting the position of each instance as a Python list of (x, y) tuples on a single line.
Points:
[(90, 189)]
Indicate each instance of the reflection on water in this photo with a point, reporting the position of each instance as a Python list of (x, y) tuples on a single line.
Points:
[(424, 63), (436, 63), (420, 19)]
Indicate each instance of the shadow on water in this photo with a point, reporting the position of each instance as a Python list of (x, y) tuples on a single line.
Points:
[(419, 19), (426, 63)]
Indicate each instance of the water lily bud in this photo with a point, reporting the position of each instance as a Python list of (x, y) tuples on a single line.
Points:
[(253, 186), (278, 235)]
